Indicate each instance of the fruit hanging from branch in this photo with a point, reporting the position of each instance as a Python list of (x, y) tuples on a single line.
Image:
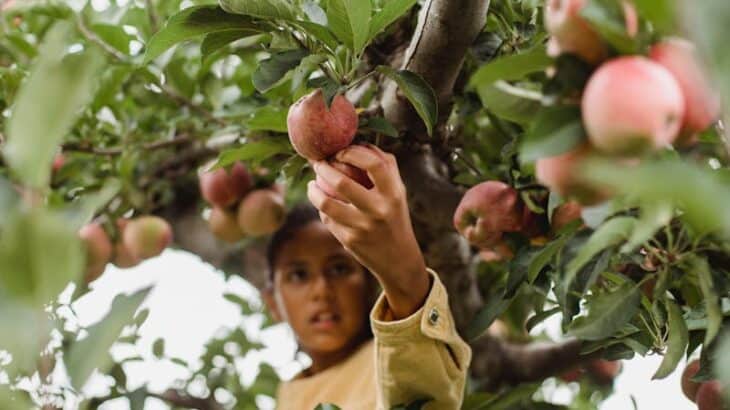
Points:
[(562, 174), (123, 257), (98, 249), (223, 187), (261, 212), (224, 226), (147, 236)]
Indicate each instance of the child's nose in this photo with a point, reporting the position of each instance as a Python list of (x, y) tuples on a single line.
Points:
[(321, 286)]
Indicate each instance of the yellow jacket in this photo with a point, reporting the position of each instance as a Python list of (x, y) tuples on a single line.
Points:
[(419, 357)]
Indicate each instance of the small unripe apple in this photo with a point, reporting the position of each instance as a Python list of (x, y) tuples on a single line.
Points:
[(223, 187), (147, 236), (317, 132), (123, 257), (702, 103), (98, 249), (562, 174), (689, 386), (709, 396), (355, 173), (486, 211), (603, 371), (566, 213), (224, 225), (631, 105), (261, 212)]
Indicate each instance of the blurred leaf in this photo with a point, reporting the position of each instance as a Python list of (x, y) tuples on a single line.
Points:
[(56, 76), (113, 35), (676, 343), (418, 92), (350, 21), (722, 364), (40, 253), (511, 67), (264, 9), (320, 32), (539, 317), (141, 317), (711, 301), (509, 102), (608, 19), (700, 193), (268, 118), (554, 131), (193, 22), (254, 151), (219, 39), (273, 69), (661, 13), (545, 257), (607, 313), (14, 399), (653, 217), (22, 332), (92, 352), (381, 126), (158, 348), (315, 13), (81, 212), (391, 11), (241, 302)]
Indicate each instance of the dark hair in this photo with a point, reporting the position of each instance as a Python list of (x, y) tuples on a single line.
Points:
[(298, 217)]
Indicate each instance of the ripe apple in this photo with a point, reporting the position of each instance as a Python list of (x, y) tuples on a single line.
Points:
[(147, 236), (566, 213), (486, 211), (317, 132), (224, 225), (355, 173), (702, 103), (689, 386), (562, 174), (98, 249), (603, 371), (709, 396), (261, 212), (630, 105), (123, 258), (223, 187)]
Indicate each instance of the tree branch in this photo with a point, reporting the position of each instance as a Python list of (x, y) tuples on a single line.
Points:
[(76, 147)]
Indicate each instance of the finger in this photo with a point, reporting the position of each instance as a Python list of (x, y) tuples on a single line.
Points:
[(338, 211), (345, 187), (378, 168)]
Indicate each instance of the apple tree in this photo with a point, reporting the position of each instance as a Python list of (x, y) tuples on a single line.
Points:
[(563, 158)]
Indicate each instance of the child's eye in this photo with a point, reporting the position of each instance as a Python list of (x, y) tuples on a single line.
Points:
[(297, 275), (340, 269)]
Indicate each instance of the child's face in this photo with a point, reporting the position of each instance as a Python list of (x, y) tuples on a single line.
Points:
[(320, 290)]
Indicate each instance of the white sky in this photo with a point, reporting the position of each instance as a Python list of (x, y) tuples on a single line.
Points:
[(187, 309)]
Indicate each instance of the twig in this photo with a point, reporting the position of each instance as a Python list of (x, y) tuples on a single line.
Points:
[(183, 139), (89, 35), (154, 20)]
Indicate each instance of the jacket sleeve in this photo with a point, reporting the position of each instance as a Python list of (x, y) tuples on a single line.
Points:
[(420, 357)]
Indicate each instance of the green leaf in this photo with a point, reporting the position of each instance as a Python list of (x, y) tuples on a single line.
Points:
[(194, 22), (607, 313), (320, 32), (661, 13), (92, 352), (676, 343), (263, 9), (158, 348), (38, 123), (219, 39), (511, 103), (141, 317), (607, 235), (554, 131), (418, 92), (608, 19), (40, 253), (653, 217), (22, 331), (544, 257), (268, 118), (392, 10), (539, 317), (274, 68), (254, 151), (381, 126), (113, 35), (712, 303), (511, 67), (350, 21), (722, 364)]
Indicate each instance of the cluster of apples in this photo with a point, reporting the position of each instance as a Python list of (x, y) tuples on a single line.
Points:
[(318, 132), (707, 395), (238, 210), (632, 104), (137, 239)]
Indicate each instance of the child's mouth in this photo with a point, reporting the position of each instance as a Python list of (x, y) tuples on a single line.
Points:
[(325, 320)]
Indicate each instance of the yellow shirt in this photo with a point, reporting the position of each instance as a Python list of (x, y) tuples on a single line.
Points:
[(419, 357)]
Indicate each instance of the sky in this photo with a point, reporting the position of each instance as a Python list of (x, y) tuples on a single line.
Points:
[(187, 308)]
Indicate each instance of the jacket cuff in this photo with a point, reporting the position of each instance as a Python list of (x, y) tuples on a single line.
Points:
[(433, 319)]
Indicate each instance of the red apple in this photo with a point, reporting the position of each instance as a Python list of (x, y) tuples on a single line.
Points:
[(689, 386), (702, 103), (225, 187), (360, 176), (98, 249), (261, 212), (632, 104), (317, 132), (603, 371), (123, 257), (58, 162), (709, 396), (486, 211), (147, 236), (562, 174), (224, 225)]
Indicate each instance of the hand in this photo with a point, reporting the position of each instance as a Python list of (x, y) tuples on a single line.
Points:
[(374, 225)]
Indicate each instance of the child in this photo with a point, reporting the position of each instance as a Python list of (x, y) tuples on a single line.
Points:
[(323, 285)]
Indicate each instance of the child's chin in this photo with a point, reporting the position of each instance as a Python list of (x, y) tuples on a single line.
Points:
[(329, 342)]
